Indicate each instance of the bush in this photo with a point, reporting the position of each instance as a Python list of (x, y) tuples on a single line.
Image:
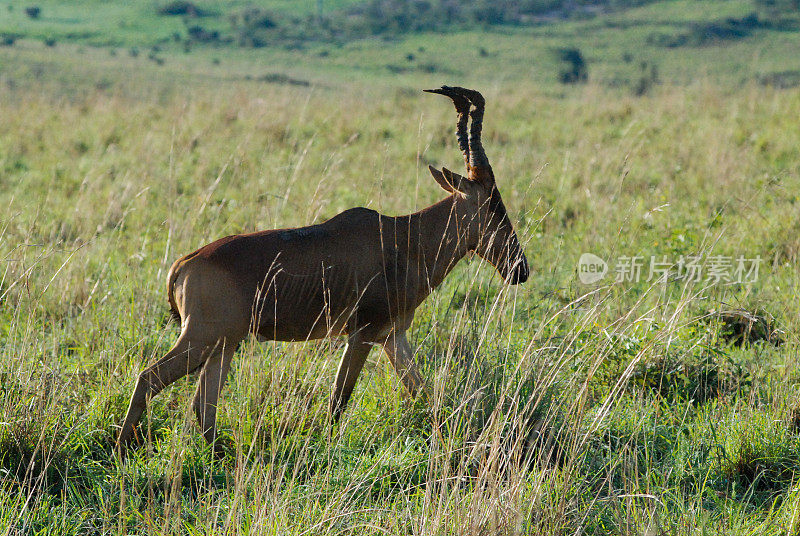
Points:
[(741, 327), (198, 33), (761, 456), (727, 29), (648, 77), (710, 32), (254, 27), (781, 79), (33, 12), (778, 6), (575, 70), (280, 78), (658, 39), (697, 377), (181, 8)]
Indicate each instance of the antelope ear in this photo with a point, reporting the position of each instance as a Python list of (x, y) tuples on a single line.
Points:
[(448, 180), (455, 179), (438, 176)]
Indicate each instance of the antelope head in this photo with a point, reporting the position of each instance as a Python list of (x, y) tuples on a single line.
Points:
[(478, 210)]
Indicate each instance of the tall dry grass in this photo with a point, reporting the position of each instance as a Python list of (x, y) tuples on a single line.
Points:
[(557, 408)]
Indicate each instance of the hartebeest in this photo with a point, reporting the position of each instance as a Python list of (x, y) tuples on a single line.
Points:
[(359, 274)]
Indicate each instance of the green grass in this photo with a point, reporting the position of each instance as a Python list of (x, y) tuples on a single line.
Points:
[(558, 408), (130, 24), (614, 45)]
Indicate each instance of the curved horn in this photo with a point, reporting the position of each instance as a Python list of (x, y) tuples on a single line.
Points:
[(462, 107), (477, 155)]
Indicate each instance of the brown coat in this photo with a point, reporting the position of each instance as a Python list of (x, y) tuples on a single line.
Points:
[(359, 274)]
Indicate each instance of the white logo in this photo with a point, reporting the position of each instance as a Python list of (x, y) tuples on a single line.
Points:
[(591, 268)]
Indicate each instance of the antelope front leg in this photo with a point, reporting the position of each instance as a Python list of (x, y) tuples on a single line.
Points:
[(352, 362), (401, 356)]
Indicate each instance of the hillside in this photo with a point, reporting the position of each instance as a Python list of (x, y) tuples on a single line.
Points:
[(676, 41)]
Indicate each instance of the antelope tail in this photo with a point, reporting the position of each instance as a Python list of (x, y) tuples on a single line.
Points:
[(171, 277)]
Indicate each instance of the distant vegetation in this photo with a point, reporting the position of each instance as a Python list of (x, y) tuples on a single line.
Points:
[(8, 39), (781, 80), (33, 12), (575, 69), (779, 6), (257, 27), (606, 39), (183, 8), (715, 31)]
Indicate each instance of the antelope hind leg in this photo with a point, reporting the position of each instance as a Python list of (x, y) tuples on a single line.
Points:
[(183, 358), (209, 385)]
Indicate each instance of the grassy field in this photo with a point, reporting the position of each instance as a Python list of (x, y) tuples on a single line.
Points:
[(632, 407), (135, 24), (615, 45)]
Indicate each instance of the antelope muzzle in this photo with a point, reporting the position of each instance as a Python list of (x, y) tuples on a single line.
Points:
[(519, 271)]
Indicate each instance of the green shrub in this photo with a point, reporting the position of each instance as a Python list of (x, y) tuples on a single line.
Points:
[(575, 71), (8, 39), (33, 12), (181, 8)]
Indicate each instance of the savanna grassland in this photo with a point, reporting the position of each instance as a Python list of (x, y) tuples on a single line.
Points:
[(628, 407)]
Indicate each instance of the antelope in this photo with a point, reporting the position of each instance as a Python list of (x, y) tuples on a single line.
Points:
[(359, 274)]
